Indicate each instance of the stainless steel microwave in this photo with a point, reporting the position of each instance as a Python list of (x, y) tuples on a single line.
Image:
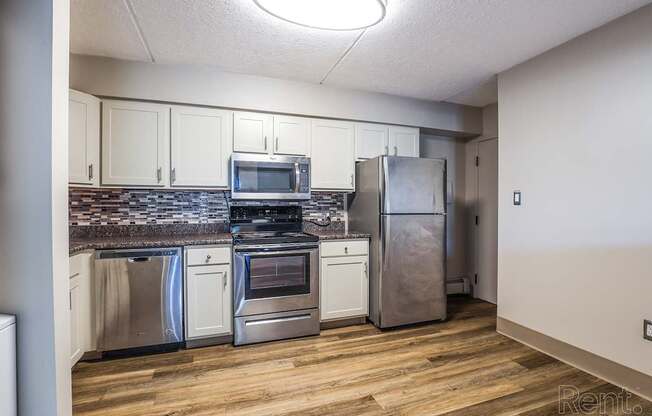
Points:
[(269, 177)]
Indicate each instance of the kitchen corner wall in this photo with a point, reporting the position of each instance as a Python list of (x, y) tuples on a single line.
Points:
[(110, 206), (574, 259)]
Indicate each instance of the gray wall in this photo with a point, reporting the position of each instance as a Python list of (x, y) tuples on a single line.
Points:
[(209, 86), (453, 151), (33, 193), (575, 260)]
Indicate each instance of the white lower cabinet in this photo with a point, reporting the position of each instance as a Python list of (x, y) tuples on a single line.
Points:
[(344, 280), (208, 292), (80, 305)]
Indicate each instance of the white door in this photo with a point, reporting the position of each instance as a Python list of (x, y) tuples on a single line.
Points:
[(252, 132), (83, 139), (371, 140), (403, 141), (201, 147), (76, 349), (344, 289), (291, 135), (332, 155), (135, 143), (486, 284), (208, 300)]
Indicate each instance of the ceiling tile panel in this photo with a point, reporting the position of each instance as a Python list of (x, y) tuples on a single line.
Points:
[(238, 36), (435, 49), (104, 28)]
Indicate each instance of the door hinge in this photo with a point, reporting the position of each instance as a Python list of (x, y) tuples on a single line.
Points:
[(477, 220), (477, 160), (476, 279)]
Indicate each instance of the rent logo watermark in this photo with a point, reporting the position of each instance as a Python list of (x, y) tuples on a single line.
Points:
[(573, 401)]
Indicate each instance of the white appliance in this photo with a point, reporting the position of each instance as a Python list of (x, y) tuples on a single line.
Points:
[(8, 365)]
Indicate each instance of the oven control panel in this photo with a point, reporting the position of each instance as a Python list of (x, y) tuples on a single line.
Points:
[(265, 214)]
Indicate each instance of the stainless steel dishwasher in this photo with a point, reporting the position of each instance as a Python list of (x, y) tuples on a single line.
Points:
[(138, 298)]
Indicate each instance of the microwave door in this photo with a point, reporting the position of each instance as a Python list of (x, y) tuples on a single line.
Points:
[(280, 178)]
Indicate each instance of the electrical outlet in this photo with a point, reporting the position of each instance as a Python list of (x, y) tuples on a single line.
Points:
[(647, 330)]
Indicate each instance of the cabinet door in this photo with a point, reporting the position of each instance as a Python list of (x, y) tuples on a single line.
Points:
[(333, 159), (76, 349), (83, 139), (252, 132), (291, 135), (344, 290), (135, 143), (371, 140), (403, 141), (208, 300), (201, 147)]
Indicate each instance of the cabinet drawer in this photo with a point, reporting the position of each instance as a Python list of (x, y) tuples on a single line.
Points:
[(208, 255), (344, 248)]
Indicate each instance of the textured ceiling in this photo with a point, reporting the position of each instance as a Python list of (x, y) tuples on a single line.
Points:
[(429, 49)]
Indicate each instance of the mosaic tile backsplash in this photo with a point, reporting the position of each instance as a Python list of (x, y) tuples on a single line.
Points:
[(146, 206)]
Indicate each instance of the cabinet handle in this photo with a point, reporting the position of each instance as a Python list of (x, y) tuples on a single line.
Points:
[(351, 179), (346, 250), (265, 142), (387, 150), (90, 172), (366, 270), (276, 145), (159, 174), (226, 277), (70, 301), (395, 151), (173, 175), (208, 258)]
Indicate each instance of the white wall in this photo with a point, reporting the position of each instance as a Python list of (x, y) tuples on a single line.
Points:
[(209, 86), (453, 151), (575, 260), (33, 198)]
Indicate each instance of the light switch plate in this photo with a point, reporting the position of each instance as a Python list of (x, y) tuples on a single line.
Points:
[(517, 198), (647, 330)]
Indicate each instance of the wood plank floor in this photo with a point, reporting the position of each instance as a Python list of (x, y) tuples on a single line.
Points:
[(459, 367)]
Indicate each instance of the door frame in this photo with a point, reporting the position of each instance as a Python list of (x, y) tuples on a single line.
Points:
[(474, 197)]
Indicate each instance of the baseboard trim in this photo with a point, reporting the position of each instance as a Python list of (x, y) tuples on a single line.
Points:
[(343, 322), (612, 372)]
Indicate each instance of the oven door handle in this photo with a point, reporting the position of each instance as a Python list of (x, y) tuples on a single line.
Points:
[(274, 253), (280, 248)]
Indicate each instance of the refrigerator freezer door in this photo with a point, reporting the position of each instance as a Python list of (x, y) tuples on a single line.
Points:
[(412, 185), (412, 278)]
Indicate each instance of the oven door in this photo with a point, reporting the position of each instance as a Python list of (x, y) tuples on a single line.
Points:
[(277, 278), (261, 177)]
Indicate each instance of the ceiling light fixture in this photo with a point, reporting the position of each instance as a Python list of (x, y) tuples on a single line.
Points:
[(327, 14)]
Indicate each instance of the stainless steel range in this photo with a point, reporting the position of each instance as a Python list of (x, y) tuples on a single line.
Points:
[(276, 274)]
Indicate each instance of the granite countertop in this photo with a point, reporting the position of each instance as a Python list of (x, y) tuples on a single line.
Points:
[(84, 238), (177, 240), (337, 234)]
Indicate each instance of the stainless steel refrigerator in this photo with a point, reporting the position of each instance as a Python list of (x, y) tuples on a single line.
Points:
[(401, 202)]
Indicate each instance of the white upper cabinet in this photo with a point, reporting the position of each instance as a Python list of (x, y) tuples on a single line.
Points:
[(271, 134), (291, 135), (252, 132), (201, 147), (333, 155), (135, 143), (83, 139), (371, 140), (403, 141)]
